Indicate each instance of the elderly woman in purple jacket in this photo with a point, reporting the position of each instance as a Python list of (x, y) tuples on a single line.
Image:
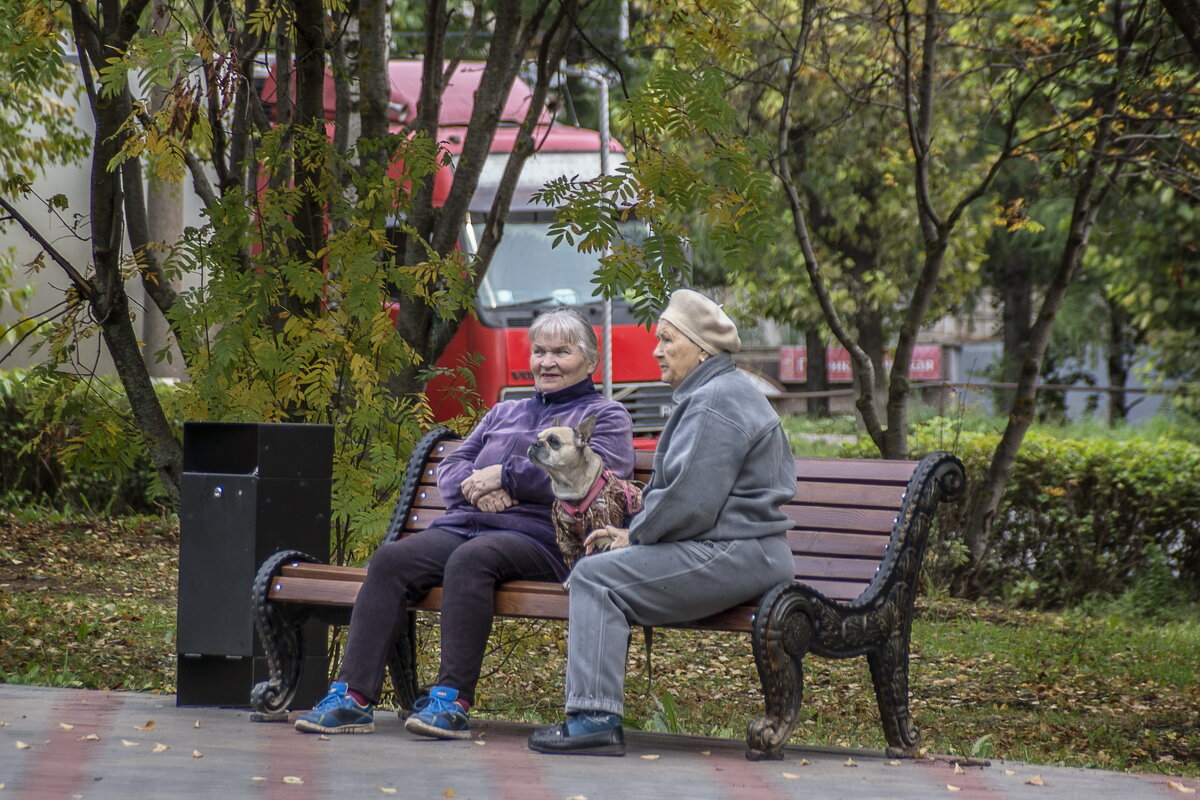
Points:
[(497, 528)]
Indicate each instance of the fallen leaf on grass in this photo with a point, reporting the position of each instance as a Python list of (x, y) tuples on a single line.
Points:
[(958, 770), (791, 776), (66, 726), (1179, 787), (149, 726), (849, 762), (1036, 780), (292, 779), (650, 758), (128, 743), (91, 737), (159, 747), (24, 746), (197, 754)]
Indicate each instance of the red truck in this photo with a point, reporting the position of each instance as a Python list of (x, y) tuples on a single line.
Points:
[(526, 275)]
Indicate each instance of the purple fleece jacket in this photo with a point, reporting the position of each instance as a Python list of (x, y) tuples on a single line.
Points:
[(503, 436)]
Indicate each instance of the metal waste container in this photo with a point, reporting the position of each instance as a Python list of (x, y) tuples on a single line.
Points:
[(248, 490)]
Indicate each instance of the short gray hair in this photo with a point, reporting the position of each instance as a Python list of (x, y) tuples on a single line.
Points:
[(567, 325)]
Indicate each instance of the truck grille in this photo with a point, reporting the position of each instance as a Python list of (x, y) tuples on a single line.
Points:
[(649, 404)]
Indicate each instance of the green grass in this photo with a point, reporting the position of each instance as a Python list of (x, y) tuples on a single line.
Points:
[(91, 604)]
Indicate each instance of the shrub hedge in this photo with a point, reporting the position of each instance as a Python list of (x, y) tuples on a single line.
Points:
[(47, 461), (1079, 518)]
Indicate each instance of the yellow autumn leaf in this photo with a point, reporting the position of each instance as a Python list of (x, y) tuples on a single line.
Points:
[(196, 724), (791, 776), (480, 742), (149, 726), (91, 737), (1009, 772), (66, 726), (804, 762), (197, 754), (24, 746), (849, 762), (1179, 787), (4, 724), (1036, 780), (953, 788), (706, 752), (958, 770), (292, 779), (650, 758), (388, 789), (258, 778), (448, 793), (894, 763), (160, 747), (128, 743)]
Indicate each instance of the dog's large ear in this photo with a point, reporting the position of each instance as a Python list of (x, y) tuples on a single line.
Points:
[(585, 429)]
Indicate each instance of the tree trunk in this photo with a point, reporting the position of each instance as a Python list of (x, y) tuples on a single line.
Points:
[(817, 378), (1119, 352), (984, 502), (110, 306)]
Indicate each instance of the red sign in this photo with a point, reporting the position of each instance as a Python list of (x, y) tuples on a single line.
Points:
[(926, 364)]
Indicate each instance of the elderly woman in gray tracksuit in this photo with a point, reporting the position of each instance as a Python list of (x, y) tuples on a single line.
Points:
[(712, 534)]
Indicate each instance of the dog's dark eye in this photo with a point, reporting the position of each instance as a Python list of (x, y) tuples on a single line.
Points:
[(553, 441)]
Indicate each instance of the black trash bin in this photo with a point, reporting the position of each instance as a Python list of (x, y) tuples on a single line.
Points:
[(249, 490)]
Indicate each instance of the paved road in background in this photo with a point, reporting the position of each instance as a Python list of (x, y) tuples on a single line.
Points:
[(65, 744)]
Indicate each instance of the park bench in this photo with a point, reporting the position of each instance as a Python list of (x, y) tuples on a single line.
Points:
[(859, 529)]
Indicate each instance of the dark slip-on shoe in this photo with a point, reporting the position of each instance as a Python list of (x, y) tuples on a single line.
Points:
[(556, 740)]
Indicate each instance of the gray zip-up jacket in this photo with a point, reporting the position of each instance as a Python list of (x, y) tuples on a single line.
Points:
[(722, 468)]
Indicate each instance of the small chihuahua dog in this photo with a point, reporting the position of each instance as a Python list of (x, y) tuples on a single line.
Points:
[(587, 495)]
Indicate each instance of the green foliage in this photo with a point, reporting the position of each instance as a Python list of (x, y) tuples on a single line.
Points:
[(65, 443), (37, 123), (287, 334), (1079, 518)]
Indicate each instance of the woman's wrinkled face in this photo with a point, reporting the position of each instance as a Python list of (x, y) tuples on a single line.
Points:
[(677, 355), (557, 365)]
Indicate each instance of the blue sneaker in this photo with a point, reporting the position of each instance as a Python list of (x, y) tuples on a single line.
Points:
[(439, 716), (337, 713)]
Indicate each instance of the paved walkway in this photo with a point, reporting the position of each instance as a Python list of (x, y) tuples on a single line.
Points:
[(62, 744)]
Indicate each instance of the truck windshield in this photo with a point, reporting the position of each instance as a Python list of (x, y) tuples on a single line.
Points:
[(527, 270)]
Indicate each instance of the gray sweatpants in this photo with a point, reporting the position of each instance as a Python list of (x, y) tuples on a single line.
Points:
[(655, 584)]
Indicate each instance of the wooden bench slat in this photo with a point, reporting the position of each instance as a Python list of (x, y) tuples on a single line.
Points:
[(837, 543), (809, 568), (825, 518)]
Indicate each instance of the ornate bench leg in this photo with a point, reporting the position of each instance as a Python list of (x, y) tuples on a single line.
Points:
[(402, 664), (780, 639), (889, 673), (281, 632)]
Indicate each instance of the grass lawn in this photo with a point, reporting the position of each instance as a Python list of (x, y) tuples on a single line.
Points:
[(91, 604)]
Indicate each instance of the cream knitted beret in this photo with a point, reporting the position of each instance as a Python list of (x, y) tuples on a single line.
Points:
[(702, 321)]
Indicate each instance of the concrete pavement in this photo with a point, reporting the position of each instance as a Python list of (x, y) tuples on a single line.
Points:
[(62, 744)]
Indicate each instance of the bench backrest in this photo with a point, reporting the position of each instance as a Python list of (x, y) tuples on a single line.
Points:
[(842, 515)]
